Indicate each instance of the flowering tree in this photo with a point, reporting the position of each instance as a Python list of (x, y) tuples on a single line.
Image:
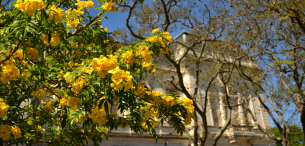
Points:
[(61, 72)]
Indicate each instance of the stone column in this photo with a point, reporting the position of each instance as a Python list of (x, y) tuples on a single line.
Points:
[(241, 111), (222, 109), (251, 102)]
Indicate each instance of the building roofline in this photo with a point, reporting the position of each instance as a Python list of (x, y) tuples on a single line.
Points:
[(180, 34)]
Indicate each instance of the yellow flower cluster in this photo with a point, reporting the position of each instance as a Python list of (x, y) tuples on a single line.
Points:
[(151, 121), (86, 70), (73, 102), (40, 94), (109, 7), (188, 104), (9, 72), (76, 54), (16, 131), (18, 54), (155, 30), (120, 78), (156, 39), (55, 39), (149, 112), (116, 33), (77, 85), (145, 54), (3, 109), (141, 91), (45, 39), (161, 41), (154, 99), (73, 23), (166, 36), (48, 106), (55, 14), (63, 102), (83, 118), (26, 74), (99, 116), (32, 52), (83, 4), (106, 30), (169, 101), (123, 124), (72, 20), (5, 132), (103, 65), (128, 57), (68, 77), (30, 6)]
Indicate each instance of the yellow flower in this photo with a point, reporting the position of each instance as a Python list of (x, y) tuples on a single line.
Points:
[(153, 70), (116, 76), (39, 128), (106, 30), (55, 39), (55, 14), (155, 30), (44, 39), (116, 33), (147, 65), (109, 7), (16, 131), (141, 91), (77, 86), (69, 77), (63, 102), (83, 4), (188, 120), (73, 23), (73, 102), (48, 107), (30, 6), (33, 52), (30, 122), (99, 116), (19, 54), (144, 125), (40, 94), (128, 58), (164, 51), (103, 65), (5, 132), (9, 72), (60, 74), (3, 109)]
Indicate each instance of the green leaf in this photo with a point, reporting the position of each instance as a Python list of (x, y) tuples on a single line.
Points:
[(12, 3), (64, 121)]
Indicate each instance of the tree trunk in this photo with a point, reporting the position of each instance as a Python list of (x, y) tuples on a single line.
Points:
[(303, 119), (196, 136), (204, 130)]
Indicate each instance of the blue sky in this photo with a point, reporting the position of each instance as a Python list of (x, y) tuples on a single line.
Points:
[(116, 20)]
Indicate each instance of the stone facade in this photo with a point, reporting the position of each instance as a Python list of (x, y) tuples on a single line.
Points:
[(242, 131)]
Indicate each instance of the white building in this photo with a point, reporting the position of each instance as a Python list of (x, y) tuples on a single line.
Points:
[(242, 130)]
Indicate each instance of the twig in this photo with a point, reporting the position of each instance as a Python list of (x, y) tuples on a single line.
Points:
[(9, 56), (60, 3), (81, 29)]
